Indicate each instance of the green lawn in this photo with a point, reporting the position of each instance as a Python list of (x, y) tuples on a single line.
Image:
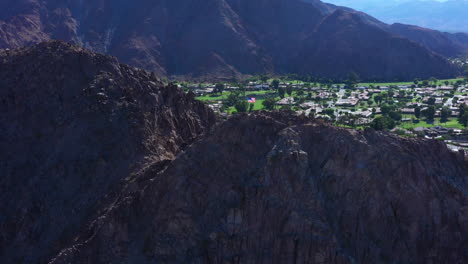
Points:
[(439, 82), (209, 97), (453, 123), (257, 94), (385, 84), (257, 106)]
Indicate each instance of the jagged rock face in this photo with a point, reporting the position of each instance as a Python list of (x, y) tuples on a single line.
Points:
[(227, 38), (74, 126), (271, 188)]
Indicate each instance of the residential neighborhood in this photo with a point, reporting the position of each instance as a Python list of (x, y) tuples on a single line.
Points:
[(429, 108)]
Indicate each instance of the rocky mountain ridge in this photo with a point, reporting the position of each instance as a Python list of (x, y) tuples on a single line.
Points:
[(272, 188), (75, 125), (102, 163), (229, 38)]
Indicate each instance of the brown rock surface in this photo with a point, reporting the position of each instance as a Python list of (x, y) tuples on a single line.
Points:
[(101, 163), (74, 127), (272, 188)]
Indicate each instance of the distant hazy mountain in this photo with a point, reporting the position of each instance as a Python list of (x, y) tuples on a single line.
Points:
[(451, 16), (229, 38)]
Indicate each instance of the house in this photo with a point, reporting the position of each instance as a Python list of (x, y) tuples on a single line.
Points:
[(420, 129), (439, 130), (286, 101), (324, 95), (230, 88), (200, 92), (308, 105), (347, 102), (446, 88), (363, 96), (262, 86), (216, 106), (408, 111), (363, 121), (439, 100), (365, 114), (413, 104), (316, 110), (374, 91)]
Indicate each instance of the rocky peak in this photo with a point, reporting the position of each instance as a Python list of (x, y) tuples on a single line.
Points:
[(75, 126), (103, 163), (273, 188)]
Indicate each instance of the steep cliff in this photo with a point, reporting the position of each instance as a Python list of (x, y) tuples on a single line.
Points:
[(74, 127), (272, 188)]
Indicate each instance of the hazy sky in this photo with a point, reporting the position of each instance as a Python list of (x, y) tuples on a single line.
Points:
[(367, 3), (374, 1), (450, 16)]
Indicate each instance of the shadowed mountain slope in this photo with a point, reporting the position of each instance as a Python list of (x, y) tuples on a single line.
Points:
[(272, 188), (101, 163), (226, 38), (74, 126)]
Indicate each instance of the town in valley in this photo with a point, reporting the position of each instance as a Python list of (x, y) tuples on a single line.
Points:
[(429, 108)]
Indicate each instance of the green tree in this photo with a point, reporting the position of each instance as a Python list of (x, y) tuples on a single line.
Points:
[(385, 109), (219, 88), (264, 78), (281, 92), (242, 106), (445, 114), (402, 93), (269, 103), (330, 112), (429, 113), (382, 123), (463, 116), (431, 101), (275, 84), (463, 119), (251, 107), (395, 116), (289, 90), (378, 99), (233, 98), (417, 112)]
